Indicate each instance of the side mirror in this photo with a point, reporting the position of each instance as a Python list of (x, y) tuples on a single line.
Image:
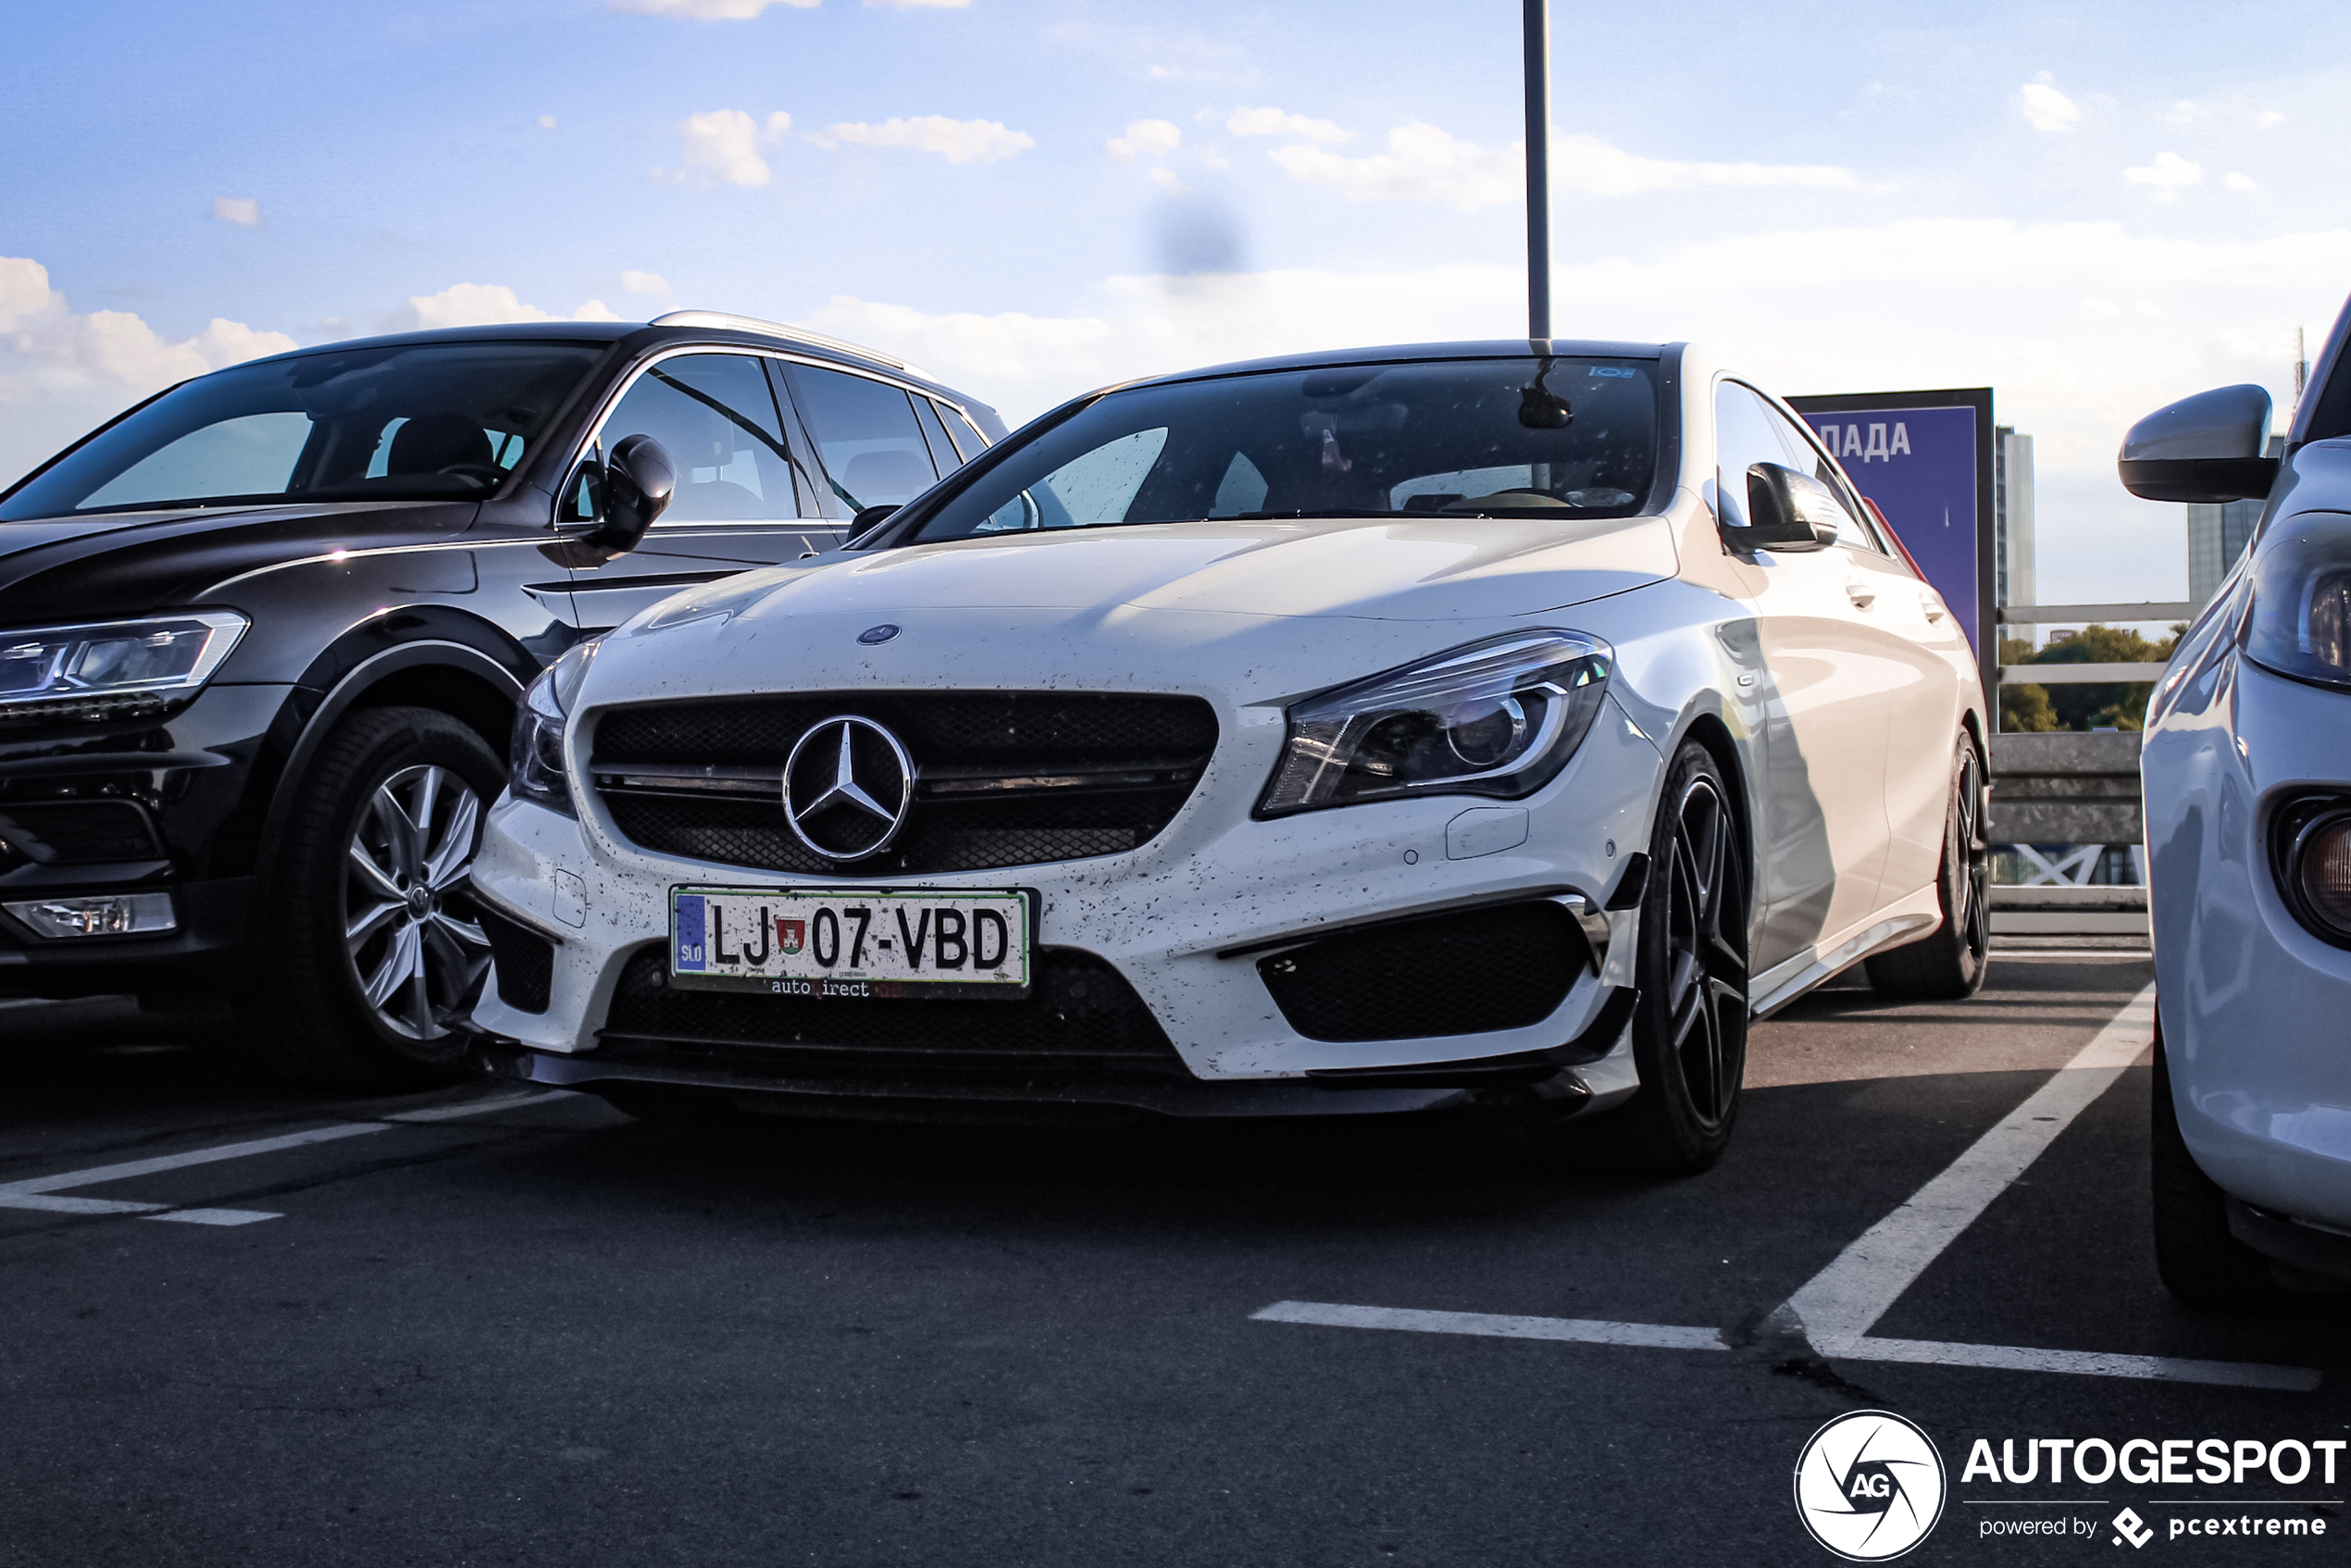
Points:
[(869, 516), (2205, 448), (639, 481), (1786, 511)]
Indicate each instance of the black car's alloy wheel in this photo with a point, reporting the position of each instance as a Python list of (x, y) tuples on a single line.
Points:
[(366, 949)]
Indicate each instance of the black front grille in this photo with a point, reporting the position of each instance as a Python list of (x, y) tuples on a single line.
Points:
[(1081, 1021), (1002, 778), (1465, 974), (526, 961)]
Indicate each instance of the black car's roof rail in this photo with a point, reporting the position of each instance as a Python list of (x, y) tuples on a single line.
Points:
[(728, 319)]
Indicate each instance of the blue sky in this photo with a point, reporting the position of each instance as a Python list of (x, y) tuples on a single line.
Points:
[(2094, 209)]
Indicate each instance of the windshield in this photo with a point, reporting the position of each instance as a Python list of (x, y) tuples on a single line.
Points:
[(1495, 438), (423, 422)]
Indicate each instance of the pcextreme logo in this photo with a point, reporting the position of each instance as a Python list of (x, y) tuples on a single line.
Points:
[(1870, 1485)]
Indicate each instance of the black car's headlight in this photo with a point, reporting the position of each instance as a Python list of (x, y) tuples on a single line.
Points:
[(2301, 621), (1497, 718), (113, 669), (535, 769)]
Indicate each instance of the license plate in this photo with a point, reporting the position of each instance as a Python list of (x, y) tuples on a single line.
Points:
[(852, 945)]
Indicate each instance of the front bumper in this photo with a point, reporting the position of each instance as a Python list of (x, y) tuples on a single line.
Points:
[(1182, 920), (2252, 1002)]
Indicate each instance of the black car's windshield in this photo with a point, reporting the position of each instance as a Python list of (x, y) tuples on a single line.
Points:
[(1520, 438), (421, 422)]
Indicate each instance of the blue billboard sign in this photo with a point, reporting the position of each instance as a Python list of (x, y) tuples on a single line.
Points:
[(1925, 459)]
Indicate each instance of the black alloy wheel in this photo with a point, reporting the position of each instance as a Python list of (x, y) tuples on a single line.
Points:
[(1689, 1028), (1950, 962), (368, 952)]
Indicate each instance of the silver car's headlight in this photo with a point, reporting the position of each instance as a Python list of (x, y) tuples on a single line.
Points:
[(1497, 718), (2301, 621), (113, 669), (535, 765)]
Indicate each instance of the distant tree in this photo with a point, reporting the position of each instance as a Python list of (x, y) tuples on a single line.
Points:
[(2119, 706), (2024, 709)]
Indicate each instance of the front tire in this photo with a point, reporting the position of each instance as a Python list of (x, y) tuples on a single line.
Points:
[(1950, 962), (367, 951), (1689, 1026)]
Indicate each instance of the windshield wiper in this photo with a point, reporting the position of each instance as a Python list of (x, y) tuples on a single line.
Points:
[(1313, 512)]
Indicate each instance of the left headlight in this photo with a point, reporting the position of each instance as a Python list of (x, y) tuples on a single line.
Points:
[(535, 765), (2301, 621), (1497, 718), (113, 669)]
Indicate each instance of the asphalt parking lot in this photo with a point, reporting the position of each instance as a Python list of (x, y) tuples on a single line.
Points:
[(523, 1330)]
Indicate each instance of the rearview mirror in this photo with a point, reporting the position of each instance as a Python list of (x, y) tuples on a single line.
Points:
[(639, 481), (2205, 448), (1786, 511)]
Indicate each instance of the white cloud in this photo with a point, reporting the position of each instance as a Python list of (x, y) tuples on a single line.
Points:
[(546, 122), (480, 304), (2045, 107), (957, 141), (1151, 138), (2237, 181), (915, 4), (1423, 162), (1276, 122), (723, 147), (645, 282), (703, 10), (2269, 119), (2166, 174), (243, 211), (1170, 181), (62, 372)]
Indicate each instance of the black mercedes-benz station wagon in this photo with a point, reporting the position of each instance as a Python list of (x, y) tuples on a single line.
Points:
[(263, 636)]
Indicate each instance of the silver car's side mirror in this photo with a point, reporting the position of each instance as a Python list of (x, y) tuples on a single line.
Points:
[(2205, 448), (1786, 511)]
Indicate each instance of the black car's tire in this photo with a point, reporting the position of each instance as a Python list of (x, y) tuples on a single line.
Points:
[(1950, 962), (2199, 1260), (364, 949), (1689, 1026)]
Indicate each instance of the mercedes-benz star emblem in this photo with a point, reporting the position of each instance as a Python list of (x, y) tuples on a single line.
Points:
[(847, 785)]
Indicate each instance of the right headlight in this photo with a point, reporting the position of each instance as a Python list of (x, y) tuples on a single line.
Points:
[(1498, 717), (2301, 621), (535, 769)]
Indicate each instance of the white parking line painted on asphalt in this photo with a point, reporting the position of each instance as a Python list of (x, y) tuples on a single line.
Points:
[(1843, 1300), (37, 1192), (1582, 1331), (1839, 1305)]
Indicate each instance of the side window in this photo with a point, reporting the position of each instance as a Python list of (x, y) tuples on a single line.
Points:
[(1744, 436), (866, 435), (1805, 458), (966, 434), (942, 451), (716, 418)]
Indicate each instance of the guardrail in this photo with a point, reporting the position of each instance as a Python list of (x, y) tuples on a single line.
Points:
[(2085, 675)]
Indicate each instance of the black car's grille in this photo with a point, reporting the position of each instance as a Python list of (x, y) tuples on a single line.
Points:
[(1080, 1021), (1002, 778), (524, 961), (1465, 974)]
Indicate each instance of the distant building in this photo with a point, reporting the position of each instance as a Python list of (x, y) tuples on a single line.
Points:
[(2217, 536), (2013, 520), (2062, 634)]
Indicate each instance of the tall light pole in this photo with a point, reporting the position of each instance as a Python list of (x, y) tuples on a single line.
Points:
[(1539, 168)]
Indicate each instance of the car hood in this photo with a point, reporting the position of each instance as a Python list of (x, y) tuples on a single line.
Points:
[(1262, 607), (128, 563)]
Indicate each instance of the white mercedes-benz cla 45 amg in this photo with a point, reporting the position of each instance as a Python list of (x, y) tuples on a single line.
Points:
[(1495, 725)]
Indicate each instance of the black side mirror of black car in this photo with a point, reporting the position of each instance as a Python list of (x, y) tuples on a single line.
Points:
[(1786, 511), (639, 481), (2205, 448)]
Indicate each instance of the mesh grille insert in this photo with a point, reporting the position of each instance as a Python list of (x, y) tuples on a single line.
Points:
[(1138, 759), (1080, 1020), (1465, 974), (526, 961)]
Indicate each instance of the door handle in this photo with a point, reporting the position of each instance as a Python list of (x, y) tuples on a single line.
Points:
[(1934, 611), (1861, 593)]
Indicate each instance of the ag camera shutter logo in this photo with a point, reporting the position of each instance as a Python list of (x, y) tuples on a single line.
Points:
[(1870, 1485)]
